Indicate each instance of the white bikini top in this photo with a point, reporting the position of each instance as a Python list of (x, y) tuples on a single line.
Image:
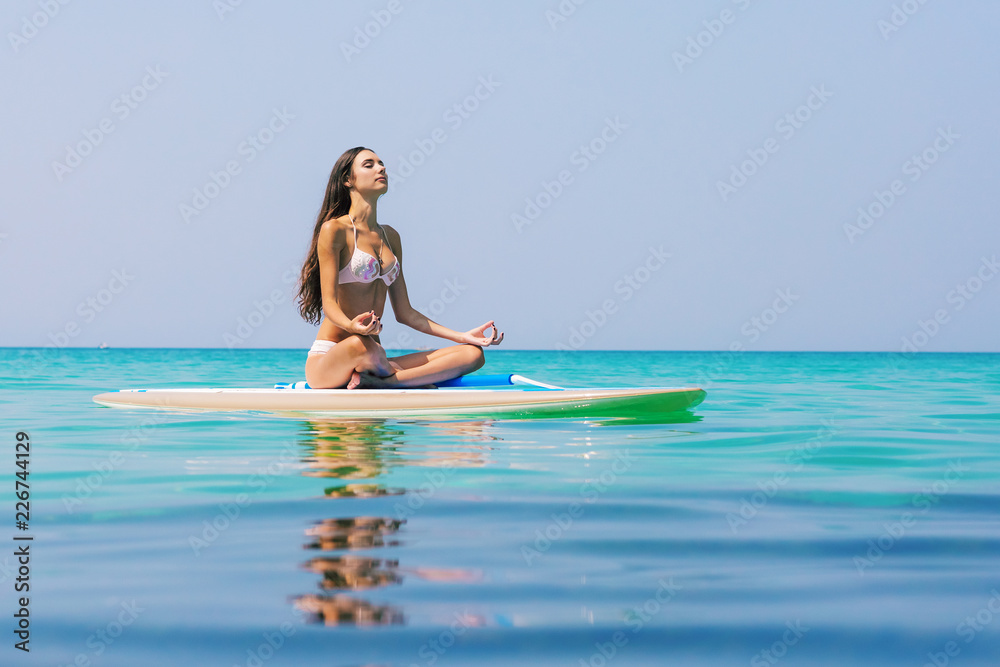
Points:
[(363, 268)]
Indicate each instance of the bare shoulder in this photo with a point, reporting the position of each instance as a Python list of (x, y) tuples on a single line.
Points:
[(393, 237), (391, 232), (331, 233)]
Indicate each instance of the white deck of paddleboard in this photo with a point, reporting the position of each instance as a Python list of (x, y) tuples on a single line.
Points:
[(391, 402)]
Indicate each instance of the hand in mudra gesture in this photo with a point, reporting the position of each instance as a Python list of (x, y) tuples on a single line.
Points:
[(371, 329), (478, 335)]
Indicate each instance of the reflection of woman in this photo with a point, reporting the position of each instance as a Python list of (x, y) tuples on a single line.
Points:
[(365, 450), (352, 264), (351, 450)]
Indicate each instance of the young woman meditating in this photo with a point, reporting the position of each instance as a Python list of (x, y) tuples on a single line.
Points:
[(353, 263)]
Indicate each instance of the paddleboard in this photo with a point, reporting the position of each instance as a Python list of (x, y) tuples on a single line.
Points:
[(504, 396)]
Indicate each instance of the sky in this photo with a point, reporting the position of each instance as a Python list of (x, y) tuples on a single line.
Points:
[(721, 175)]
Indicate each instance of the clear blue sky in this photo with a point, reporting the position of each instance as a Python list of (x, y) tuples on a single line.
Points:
[(646, 175)]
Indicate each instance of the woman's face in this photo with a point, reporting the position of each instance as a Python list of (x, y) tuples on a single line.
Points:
[(368, 173)]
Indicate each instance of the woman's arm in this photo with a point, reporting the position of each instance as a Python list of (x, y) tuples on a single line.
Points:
[(400, 300), (411, 317), (328, 246)]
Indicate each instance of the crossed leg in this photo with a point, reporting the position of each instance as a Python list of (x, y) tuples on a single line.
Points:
[(420, 368), (358, 362)]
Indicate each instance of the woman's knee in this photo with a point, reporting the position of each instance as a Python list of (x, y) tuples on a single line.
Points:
[(366, 354), (476, 356), (355, 345), (357, 349)]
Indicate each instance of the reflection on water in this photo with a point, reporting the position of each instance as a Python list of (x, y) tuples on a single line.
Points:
[(341, 572), (361, 532), (361, 491), (648, 419), (345, 610), (351, 450), (364, 451), (355, 572)]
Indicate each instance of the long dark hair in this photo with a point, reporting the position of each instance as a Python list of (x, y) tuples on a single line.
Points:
[(336, 202)]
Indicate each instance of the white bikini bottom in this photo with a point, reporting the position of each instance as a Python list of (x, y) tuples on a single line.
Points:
[(321, 346)]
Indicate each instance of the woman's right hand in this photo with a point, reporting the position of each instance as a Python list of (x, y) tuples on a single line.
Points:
[(371, 329)]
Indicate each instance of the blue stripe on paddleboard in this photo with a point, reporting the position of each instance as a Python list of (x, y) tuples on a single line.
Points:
[(477, 381)]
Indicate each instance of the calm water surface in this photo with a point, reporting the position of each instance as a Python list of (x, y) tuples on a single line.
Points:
[(816, 509)]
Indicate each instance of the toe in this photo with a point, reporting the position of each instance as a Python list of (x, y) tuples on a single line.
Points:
[(355, 380)]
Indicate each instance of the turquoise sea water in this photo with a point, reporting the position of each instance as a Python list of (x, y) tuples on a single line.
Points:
[(818, 509)]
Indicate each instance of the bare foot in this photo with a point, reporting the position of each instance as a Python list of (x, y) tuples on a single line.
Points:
[(368, 380), (355, 380)]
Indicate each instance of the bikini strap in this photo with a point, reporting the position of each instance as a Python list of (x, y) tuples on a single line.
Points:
[(355, 231), (383, 238)]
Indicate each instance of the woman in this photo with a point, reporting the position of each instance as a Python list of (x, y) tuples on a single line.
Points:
[(353, 263)]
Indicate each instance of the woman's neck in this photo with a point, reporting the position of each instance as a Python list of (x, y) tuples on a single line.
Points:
[(364, 213)]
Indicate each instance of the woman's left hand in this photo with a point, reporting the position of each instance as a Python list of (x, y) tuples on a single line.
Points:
[(478, 336)]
